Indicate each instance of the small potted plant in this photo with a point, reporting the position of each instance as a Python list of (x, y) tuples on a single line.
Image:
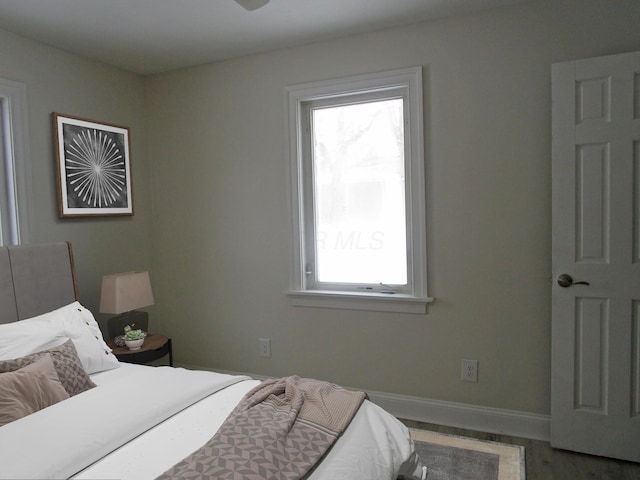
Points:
[(133, 338)]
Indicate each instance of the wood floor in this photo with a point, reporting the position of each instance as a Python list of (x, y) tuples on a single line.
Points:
[(545, 463)]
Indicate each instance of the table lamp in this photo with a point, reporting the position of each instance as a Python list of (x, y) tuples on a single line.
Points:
[(122, 294)]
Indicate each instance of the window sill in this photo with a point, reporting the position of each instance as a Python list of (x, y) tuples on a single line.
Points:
[(377, 302)]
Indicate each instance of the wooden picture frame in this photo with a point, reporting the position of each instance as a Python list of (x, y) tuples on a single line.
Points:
[(93, 167)]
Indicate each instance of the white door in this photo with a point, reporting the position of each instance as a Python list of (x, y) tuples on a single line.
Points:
[(595, 405)]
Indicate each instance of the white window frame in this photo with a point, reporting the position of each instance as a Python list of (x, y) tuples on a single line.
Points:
[(15, 162), (406, 83)]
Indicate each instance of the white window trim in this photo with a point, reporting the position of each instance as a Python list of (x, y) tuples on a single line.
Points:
[(15, 159), (296, 96)]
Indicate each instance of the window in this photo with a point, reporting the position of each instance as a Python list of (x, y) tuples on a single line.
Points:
[(13, 163), (358, 201)]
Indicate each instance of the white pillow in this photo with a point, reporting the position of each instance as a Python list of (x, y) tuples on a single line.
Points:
[(52, 329)]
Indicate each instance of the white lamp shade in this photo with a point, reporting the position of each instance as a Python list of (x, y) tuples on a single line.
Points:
[(123, 292)]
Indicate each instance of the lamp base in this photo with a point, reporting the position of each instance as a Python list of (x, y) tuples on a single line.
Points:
[(136, 318)]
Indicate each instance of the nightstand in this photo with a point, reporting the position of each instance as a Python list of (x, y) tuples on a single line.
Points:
[(154, 347)]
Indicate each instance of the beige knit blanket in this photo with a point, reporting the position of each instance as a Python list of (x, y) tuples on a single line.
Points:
[(279, 430)]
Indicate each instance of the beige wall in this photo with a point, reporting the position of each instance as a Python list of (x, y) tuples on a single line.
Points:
[(64, 83), (222, 226)]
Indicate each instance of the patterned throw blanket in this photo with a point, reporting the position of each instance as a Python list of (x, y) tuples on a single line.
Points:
[(279, 430)]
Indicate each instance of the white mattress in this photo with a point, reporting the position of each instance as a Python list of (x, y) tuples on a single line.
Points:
[(375, 446), (158, 449)]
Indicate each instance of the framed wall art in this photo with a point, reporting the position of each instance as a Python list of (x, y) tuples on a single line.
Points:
[(93, 167)]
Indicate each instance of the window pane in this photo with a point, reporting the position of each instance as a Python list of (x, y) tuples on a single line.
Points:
[(14, 163), (4, 206), (9, 234), (359, 193)]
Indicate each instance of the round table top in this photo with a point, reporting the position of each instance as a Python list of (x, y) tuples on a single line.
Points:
[(152, 341)]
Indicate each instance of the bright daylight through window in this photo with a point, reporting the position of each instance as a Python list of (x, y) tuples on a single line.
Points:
[(358, 174), (13, 163), (358, 192)]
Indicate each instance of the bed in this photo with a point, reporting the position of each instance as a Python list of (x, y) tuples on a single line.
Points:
[(69, 409)]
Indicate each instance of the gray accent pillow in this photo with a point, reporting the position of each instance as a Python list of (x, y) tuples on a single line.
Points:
[(65, 359), (29, 389)]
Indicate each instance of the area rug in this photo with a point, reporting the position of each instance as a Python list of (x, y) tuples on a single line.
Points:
[(450, 457)]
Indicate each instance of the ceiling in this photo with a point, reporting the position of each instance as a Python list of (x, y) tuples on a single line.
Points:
[(153, 36)]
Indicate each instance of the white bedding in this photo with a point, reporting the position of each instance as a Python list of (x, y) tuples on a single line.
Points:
[(142, 420)]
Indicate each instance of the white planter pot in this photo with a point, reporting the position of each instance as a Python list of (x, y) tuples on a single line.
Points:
[(134, 344)]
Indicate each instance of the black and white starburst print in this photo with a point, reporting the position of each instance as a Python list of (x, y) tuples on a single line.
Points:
[(95, 168)]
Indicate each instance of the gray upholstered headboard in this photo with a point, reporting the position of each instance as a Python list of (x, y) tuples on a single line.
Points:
[(35, 279)]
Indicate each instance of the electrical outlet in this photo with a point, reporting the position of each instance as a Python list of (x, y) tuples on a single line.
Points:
[(469, 370), (265, 347)]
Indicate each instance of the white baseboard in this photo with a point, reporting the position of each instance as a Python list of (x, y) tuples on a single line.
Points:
[(452, 414), (461, 415)]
